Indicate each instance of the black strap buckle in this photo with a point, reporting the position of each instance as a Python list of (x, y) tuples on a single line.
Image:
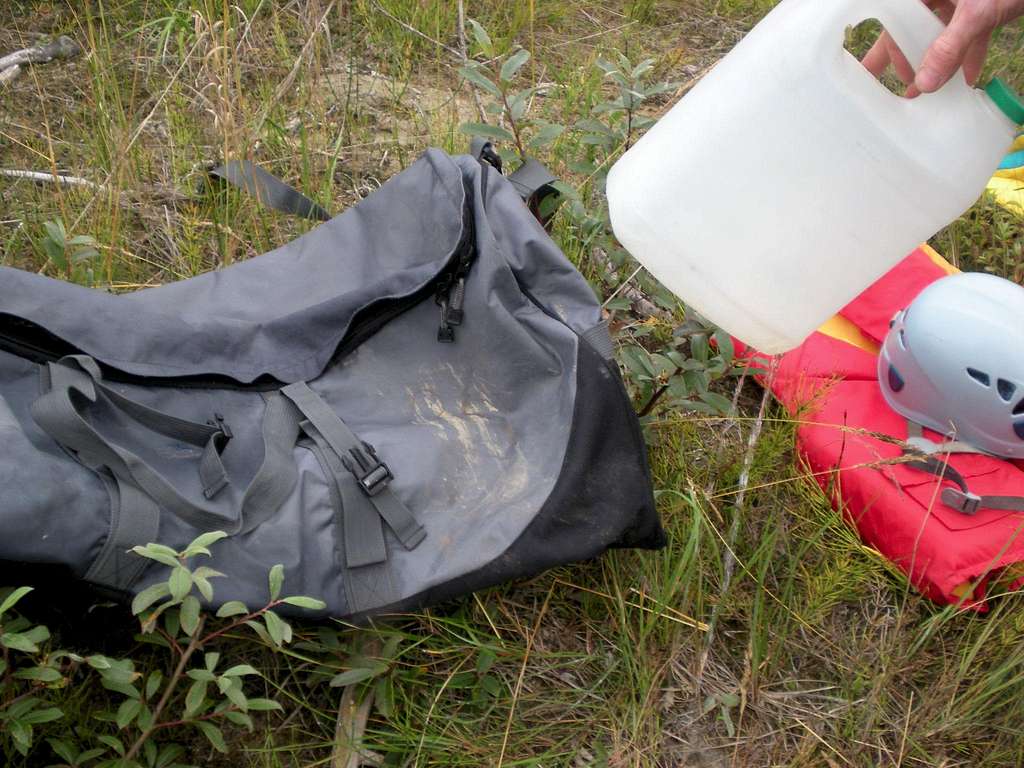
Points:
[(967, 503), (372, 474)]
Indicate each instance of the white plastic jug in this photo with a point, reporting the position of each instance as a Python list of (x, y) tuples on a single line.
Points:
[(789, 179)]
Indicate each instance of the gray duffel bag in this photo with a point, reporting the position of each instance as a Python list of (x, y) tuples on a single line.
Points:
[(412, 401)]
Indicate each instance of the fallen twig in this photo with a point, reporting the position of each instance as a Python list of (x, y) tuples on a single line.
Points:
[(61, 48), (52, 178), (7, 75)]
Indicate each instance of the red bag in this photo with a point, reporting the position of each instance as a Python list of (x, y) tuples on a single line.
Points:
[(848, 438)]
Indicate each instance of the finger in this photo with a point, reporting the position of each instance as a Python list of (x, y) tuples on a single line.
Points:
[(948, 51), (974, 61), (877, 59), (904, 69)]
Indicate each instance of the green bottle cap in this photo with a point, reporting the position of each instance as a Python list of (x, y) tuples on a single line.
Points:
[(1007, 101)]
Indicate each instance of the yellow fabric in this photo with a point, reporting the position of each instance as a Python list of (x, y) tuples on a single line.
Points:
[(838, 327), (1007, 185)]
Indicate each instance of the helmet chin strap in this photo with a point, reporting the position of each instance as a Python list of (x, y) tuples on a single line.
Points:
[(922, 444), (961, 500)]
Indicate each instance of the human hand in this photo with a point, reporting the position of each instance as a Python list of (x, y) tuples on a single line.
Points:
[(969, 28)]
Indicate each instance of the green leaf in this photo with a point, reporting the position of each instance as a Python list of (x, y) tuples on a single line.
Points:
[(480, 80), (547, 134), (47, 715), (19, 708), (233, 690), (153, 683), (485, 660), (127, 712), (201, 674), (64, 749), (241, 669), (190, 615), (483, 40), (55, 232), (42, 674), (18, 642), (384, 696), (213, 734), (513, 64), (84, 254), (125, 689), (9, 601), (200, 544), (172, 623), (492, 685), (275, 627), (489, 131), (718, 402), (239, 718), (180, 582), (231, 608), (261, 631), (158, 552), (309, 603), (263, 705), (98, 662), (195, 697), (699, 347), (145, 718), (276, 579), (353, 676), (111, 741), (148, 596), (22, 734), (726, 349), (210, 660)]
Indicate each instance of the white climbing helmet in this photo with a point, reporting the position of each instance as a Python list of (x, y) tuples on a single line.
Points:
[(953, 361)]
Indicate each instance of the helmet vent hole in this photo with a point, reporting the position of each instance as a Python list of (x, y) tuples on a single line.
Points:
[(1018, 409), (895, 380), (1018, 429), (978, 376), (1005, 389), (903, 339)]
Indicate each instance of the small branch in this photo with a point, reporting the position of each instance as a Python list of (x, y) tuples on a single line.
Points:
[(729, 558), (239, 622), (383, 12), (179, 671), (464, 50), (42, 178), (61, 48)]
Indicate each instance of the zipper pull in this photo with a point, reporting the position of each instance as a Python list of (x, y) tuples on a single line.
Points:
[(445, 332), (457, 298)]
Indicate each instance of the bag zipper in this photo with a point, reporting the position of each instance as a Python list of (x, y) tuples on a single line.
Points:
[(448, 287)]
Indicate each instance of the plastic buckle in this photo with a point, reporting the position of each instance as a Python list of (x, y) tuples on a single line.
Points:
[(372, 474), (967, 503), (219, 423)]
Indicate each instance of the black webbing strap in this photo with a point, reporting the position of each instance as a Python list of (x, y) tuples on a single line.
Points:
[(269, 190), (212, 437), (143, 491), (963, 500), (134, 520), (532, 180), (371, 478)]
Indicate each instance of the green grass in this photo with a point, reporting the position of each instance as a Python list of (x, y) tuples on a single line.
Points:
[(821, 654)]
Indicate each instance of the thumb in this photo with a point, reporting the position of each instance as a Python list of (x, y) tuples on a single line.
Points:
[(947, 53)]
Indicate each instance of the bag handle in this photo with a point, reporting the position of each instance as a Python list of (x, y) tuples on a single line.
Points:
[(75, 385)]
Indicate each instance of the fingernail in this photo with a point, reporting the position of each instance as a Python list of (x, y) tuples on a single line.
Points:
[(927, 80)]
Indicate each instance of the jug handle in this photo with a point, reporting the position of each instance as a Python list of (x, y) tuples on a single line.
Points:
[(912, 25)]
